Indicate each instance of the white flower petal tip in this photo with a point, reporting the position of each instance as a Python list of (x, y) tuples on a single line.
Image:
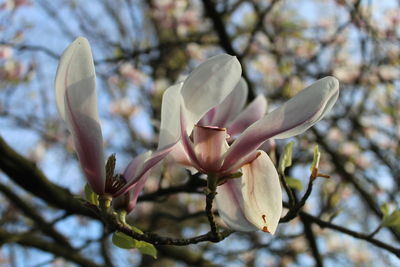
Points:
[(308, 107), (76, 64), (208, 85), (262, 194), (292, 118)]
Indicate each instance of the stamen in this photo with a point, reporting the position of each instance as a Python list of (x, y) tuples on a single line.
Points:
[(114, 183)]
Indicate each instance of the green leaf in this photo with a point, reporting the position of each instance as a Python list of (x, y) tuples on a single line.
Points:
[(392, 220), (294, 183), (124, 241), (91, 196), (148, 249), (317, 156), (385, 209), (286, 158)]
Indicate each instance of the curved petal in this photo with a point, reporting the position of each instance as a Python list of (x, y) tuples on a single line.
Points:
[(135, 165), (268, 146), (225, 169), (76, 64), (128, 200), (262, 194), (178, 154), (252, 113), (231, 106), (188, 145), (230, 206), (208, 117), (292, 118), (324, 92), (88, 142), (208, 85), (154, 159), (141, 165), (135, 191), (77, 105), (170, 109)]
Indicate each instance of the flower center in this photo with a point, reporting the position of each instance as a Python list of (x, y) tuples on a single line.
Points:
[(209, 146)]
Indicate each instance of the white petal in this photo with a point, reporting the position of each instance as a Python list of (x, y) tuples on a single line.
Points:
[(313, 103), (170, 110), (135, 166), (231, 106), (262, 193), (292, 118), (252, 113), (77, 104), (76, 65), (231, 207), (179, 155), (208, 85)]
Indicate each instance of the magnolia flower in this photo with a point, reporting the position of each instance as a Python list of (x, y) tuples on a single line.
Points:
[(77, 104), (196, 110)]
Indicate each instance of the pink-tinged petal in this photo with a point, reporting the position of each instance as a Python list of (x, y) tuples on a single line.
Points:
[(231, 106), (128, 200), (230, 206), (170, 109), (178, 154), (230, 168), (77, 104), (252, 113), (208, 117), (318, 99), (262, 194), (135, 166), (209, 146), (143, 165), (135, 191), (155, 158), (292, 118), (88, 142), (208, 85), (187, 144), (268, 146)]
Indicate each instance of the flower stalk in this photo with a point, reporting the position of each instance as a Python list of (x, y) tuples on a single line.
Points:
[(211, 192)]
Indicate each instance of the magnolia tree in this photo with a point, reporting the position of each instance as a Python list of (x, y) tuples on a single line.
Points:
[(199, 132)]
